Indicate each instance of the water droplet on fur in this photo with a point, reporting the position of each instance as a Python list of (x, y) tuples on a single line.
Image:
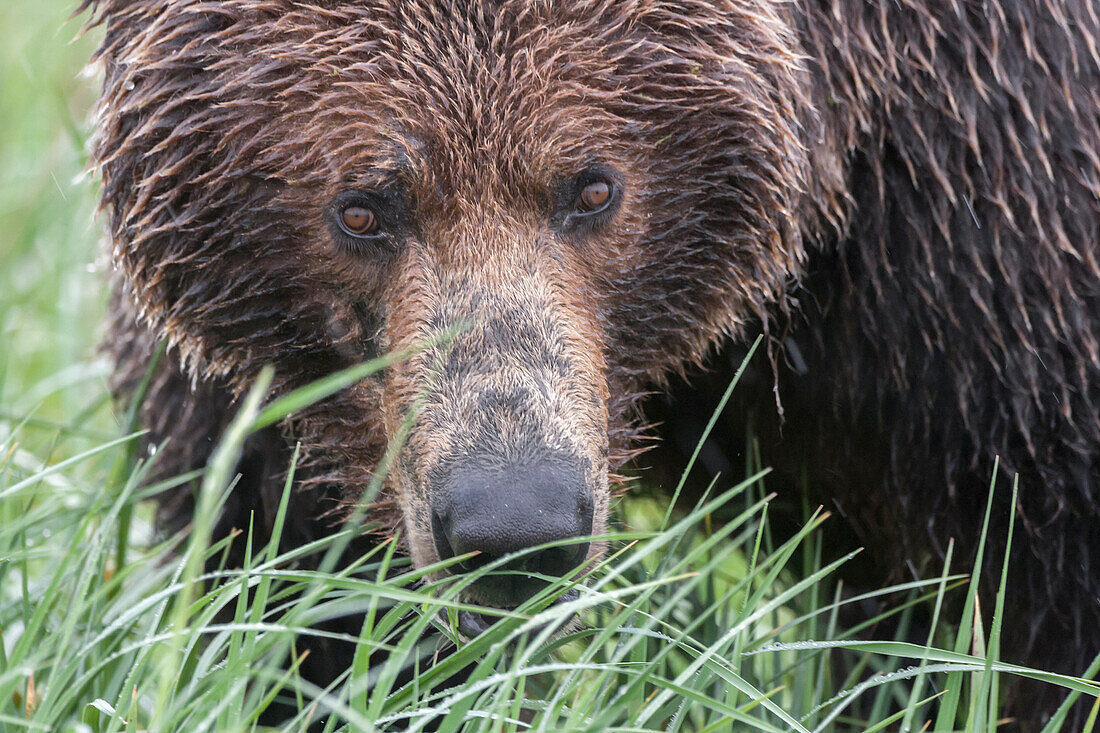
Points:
[(128, 86)]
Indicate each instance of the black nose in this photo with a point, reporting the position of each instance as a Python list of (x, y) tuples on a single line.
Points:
[(504, 509)]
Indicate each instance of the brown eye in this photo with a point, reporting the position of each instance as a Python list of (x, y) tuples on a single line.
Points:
[(595, 196), (358, 221)]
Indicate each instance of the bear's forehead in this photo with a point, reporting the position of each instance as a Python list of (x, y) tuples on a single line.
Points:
[(515, 91)]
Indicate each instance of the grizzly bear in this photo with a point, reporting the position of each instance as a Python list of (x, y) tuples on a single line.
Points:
[(904, 196)]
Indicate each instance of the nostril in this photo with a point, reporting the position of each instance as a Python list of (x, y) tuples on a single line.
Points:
[(585, 511), (440, 532), (443, 535)]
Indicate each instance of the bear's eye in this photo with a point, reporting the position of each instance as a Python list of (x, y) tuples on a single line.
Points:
[(594, 197), (358, 221)]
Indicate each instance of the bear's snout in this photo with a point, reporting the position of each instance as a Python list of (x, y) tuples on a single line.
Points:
[(502, 510)]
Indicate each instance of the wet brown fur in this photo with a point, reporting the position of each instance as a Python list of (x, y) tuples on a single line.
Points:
[(905, 193)]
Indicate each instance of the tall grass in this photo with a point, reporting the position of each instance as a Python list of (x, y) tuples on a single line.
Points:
[(689, 624), (685, 626)]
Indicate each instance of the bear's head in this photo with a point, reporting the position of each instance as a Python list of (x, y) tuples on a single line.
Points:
[(587, 195)]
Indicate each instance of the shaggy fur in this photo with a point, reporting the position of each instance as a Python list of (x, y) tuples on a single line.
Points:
[(906, 195)]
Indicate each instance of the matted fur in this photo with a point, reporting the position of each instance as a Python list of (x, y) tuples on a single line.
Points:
[(908, 192)]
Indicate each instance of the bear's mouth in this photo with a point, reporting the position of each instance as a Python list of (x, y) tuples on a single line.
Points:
[(473, 623)]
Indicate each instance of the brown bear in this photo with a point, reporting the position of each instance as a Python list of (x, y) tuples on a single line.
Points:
[(904, 195)]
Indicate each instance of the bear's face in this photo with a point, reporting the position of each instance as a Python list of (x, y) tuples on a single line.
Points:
[(566, 200)]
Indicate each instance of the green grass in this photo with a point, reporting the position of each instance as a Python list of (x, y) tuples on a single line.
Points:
[(689, 625)]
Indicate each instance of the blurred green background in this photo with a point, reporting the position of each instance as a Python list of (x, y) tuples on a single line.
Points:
[(52, 292)]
